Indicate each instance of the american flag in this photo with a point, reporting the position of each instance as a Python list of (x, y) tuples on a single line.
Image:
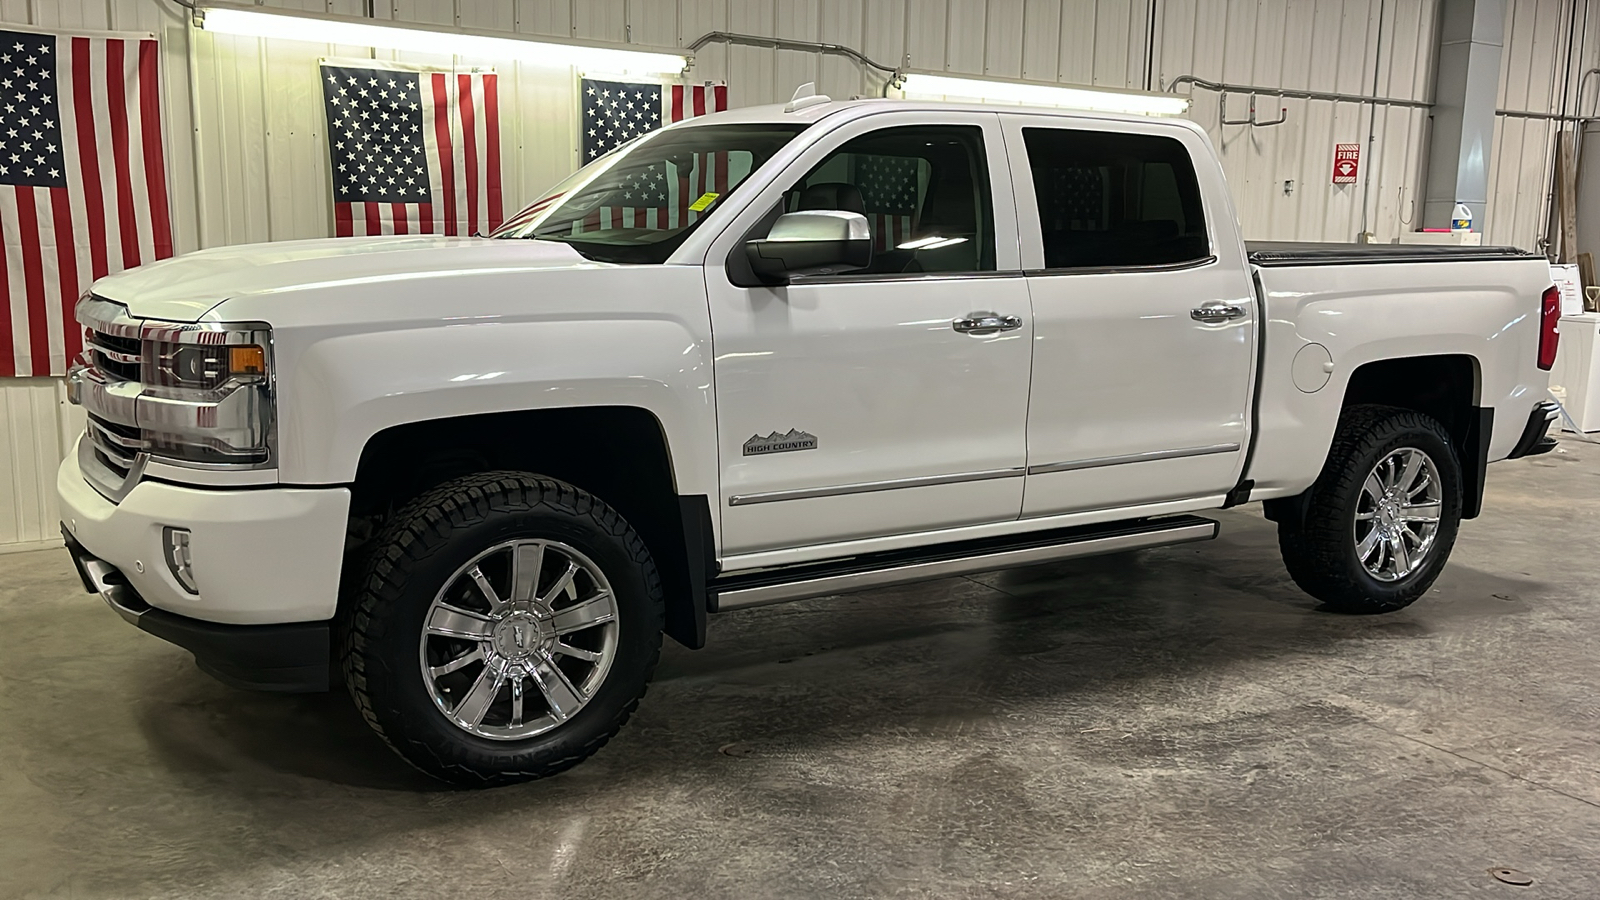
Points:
[(83, 183), (889, 190), (615, 112), (1077, 199), (413, 151)]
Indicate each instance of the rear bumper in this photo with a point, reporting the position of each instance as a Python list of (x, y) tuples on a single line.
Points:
[(1535, 437), (290, 658)]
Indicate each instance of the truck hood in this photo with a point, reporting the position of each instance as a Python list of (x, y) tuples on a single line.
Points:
[(185, 288)]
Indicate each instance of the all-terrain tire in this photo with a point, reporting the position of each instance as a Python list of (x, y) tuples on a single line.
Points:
[(1320, 552), (420, 551)]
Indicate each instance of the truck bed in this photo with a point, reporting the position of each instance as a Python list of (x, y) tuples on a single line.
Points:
[(1307, 253)]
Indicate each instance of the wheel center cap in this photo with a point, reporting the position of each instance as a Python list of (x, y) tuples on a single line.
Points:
[(520, 635)]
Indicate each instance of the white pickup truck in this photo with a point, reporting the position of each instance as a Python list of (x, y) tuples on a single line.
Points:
[(774, 353)]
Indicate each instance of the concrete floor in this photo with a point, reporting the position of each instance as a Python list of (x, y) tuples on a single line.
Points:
[(1180, 722)]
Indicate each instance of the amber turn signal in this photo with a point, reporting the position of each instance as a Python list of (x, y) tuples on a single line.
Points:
[(249, 360)]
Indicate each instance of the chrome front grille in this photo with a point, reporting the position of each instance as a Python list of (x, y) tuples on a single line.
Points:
[(168, 392), (117, 444), (120, 357)]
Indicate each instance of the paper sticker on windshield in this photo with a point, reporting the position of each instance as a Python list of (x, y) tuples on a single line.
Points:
[(705, 200)]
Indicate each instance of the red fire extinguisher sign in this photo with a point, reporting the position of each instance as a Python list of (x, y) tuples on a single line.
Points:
[(1346, 160)]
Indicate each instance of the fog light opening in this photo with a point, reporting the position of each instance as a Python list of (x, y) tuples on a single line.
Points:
[(179, 563)]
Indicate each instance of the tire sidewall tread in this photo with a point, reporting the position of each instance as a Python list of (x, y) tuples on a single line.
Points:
[(1319, 552), (425, 543)]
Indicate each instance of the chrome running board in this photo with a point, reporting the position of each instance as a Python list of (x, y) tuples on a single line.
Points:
[(862, 573)]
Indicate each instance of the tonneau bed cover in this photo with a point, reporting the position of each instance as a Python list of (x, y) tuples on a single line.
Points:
[(1290, 253)]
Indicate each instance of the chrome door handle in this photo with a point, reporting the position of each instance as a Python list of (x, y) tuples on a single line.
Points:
[(1216, 313), (982, 323)]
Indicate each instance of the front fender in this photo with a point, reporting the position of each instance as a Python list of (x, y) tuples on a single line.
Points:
[(346, 388)]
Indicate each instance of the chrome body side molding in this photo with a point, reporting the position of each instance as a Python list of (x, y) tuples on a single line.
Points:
[(1151, 456), (870, 486)]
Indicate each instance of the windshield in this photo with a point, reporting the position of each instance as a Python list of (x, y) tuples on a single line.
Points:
[(637, 203)]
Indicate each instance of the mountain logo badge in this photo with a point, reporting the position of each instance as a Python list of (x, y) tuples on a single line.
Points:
[(780, 443)]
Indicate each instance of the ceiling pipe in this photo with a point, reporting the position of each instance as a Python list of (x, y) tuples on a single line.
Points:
[(1222, 87), (772, 43)]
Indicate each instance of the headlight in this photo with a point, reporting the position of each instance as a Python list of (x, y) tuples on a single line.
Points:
[(197, 394), (207, 394)]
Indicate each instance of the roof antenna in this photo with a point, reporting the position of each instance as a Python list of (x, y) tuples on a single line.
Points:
[(806, 95)]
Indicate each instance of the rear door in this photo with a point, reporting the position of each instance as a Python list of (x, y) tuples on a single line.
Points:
[(1144, 320)]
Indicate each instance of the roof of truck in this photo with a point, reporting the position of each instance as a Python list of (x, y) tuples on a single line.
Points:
[(775, 112)]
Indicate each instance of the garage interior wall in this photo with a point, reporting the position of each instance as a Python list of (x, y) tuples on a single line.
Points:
[(247, 159)]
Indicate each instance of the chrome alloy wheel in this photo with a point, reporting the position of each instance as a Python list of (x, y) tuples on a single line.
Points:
[(1397, 515), (519, 639)]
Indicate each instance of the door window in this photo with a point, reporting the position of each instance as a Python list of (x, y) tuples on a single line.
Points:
[(924, 191), (1113, 199)]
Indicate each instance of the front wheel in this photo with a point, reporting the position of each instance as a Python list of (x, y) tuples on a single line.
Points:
[(1383, 515), (505, 629)]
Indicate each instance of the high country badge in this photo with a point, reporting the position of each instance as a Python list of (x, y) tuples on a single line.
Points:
[(779, 443)]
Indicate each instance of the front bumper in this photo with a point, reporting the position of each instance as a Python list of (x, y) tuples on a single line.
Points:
[(260, 557), (291, 658)]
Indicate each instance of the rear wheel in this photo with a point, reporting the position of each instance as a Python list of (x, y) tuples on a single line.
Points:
[(506, 628), (1382, 517)]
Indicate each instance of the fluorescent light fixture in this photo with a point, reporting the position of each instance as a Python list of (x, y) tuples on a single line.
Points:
[(325, 29), (920, 86), (931, 243)]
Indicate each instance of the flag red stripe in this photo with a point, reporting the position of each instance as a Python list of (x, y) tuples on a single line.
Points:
[(491, 128), (33, 280), (155, 169), (88, 158), (677, 103), (699, 101), (8, 351), (374, 219), (398, 211), (425, 218), (684, 189), (721, 93), (67, 272), (342, 225), (117, 107), (469, 149), (441, 129)]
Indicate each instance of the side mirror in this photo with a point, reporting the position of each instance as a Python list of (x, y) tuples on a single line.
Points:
[(811, 242)]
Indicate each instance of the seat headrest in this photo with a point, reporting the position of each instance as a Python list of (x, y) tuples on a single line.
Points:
[(833, 195)]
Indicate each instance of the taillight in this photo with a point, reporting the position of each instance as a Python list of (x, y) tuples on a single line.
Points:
[(1549, 315)]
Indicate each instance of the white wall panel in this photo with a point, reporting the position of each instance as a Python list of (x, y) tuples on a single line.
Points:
[(1548, 46), (247, 159), (37, 427), (1336, 46)]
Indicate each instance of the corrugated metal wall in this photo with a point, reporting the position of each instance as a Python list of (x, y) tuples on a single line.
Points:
[(248, 163), (1364, 47), (37, 426), (1549, 44)]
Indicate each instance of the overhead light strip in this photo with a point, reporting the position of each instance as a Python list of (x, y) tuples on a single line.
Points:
[(328, 29), (925, 86)]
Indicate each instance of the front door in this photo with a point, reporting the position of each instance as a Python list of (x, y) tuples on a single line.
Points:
[(869, 405), (1144, 322)]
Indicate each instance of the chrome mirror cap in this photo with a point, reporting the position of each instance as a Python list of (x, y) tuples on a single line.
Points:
[(811, 242)]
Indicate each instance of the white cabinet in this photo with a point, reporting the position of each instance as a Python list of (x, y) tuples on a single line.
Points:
[(1577, 371)]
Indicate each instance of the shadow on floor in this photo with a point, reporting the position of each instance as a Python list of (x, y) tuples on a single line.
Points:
[(1062, 633)]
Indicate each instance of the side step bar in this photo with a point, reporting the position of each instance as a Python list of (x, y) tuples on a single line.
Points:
[(860, 573)]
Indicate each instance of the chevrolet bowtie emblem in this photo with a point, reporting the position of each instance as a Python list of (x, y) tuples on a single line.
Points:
[(779, 443), (519, 635)]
